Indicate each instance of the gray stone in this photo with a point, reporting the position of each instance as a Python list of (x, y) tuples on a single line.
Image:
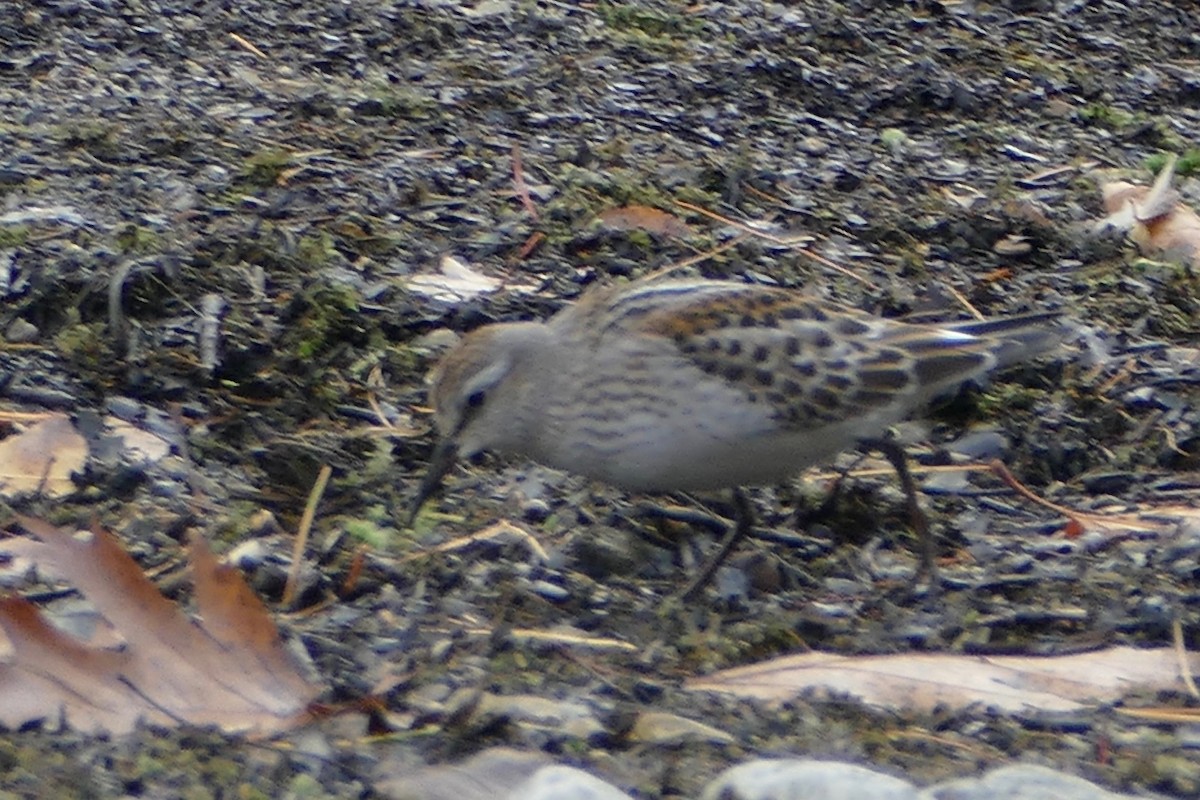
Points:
[(565, 783), (805, 779), (1020, 782)]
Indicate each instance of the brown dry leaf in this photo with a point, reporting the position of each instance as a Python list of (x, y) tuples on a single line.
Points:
[(1154, 217), (42, 458), (922, 681), (627, 218), (230, 671)]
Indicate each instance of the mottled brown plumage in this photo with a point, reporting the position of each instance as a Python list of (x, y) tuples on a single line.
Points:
[(688, 385)]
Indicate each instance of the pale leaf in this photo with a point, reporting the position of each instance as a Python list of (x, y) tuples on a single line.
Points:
[(1153, 217), (920, 681), (42, 458), (454, 282)]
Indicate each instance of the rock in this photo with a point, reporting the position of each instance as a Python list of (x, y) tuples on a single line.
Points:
[(805, 779)]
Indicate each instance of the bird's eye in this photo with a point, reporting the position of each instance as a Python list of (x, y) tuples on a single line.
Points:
[(475, 399)]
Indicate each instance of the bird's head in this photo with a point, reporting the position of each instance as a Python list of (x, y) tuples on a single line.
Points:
[(478, 391)]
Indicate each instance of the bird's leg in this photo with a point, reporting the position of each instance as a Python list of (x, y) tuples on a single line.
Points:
[(740, 529), (895, 454)]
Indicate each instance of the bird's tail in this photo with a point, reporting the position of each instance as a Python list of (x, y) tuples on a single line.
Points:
[(1017, 338)]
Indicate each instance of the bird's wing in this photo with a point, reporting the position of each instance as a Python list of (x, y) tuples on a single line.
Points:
[(813, 363)]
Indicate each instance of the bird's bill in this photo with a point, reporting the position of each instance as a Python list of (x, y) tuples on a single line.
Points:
[(440, 463)]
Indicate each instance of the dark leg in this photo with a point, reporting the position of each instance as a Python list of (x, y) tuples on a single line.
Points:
[(740, 530), (895, 454)]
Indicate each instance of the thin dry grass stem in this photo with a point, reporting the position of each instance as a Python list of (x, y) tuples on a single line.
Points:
[(923, 735), (822, 260), (1054, 172), (1077, 521), (522, 191), (373, 402), (606, 678), (499, 530), (248, 46), (564, 638), (795, 242), (375, 383), (696, 259), (964, 302), (519, 184), (1120, 376), (306, 521), (1002, 472), (761, 195), (393, 432), (1181, 655), (1172, 443)]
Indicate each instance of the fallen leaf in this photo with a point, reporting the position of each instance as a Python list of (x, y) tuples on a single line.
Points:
[(42, 458), (455, 282), (921, 682), (628, 218), (230, 671), (1153, 217)]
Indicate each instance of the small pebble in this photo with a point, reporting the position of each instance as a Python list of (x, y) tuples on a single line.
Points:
[(560, 782), (21, 332), (550, 591), (794, 779)]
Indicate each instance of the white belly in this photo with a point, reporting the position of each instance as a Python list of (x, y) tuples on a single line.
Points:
[(695, 463), (695, 452)]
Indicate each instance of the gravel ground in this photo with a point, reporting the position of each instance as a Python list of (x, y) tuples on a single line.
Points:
[(276, 173)]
